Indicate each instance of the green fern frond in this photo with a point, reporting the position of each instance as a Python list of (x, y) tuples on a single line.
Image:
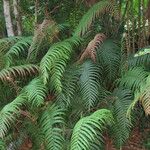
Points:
[(141, 58), (93, 13), (89, 130), (51, 123), (2, 145), (6, 43), (36, 92), (89, 83), (69, 86), (109, 57), (59, 53), (9, 114), (18, 71), (122, 127), (133, 78), (20, 48)]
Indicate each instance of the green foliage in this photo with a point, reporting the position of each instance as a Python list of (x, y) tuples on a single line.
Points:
[(122, 127), (87, 133), (56, 61), (90, 83), (52, 121), (61, 102)]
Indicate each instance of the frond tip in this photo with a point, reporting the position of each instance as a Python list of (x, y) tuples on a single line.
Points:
[(87, 133)]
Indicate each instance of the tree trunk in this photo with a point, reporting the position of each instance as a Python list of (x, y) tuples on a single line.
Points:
[(8, 21), (17, 17)]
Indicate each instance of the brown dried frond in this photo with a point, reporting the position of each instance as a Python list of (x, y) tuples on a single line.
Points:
[(90, 51)]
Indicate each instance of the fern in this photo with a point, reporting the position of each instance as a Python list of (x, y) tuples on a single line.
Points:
[(51, 123), (90, 51), (122, 126), (57, 58), (36, 92), (141, 58), (18, 71), (89, 83), (109, 57), (93, 13), (9, 113), (6, 43), (89, 130), (18, 49), (69, 86), (133, 78)]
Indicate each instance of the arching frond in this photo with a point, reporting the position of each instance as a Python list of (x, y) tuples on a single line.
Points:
[(87, 133), (51, 123), (18, 71), (133, 78), (9, 114), (6, 43), (122, 127), (36, 92), (90, 51), (20, 48), (90, 83), (93, 13), (59, 54)]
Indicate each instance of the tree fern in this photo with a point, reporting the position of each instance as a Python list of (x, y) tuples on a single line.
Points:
[(89, 129), (59, 54), (51, 123), (18, 71)]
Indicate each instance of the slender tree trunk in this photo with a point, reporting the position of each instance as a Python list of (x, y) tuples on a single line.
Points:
[(9, 26), (17, 17)]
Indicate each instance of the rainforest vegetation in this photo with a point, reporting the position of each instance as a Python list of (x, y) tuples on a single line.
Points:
[(75, 75)]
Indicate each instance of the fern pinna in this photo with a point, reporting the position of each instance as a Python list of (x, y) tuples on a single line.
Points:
[(69, 93)]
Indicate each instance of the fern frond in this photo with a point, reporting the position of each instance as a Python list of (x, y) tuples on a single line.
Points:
[(69, 86), (89, 83), (133, 78), (18, 71), (141, 58), (109, 57), (6, 43), (88, 130), (2, 145), (93, 13), (20, 48), (9, 114), (122, 127), (36, 92), (59, 53), (90, 51), (51, 122)]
